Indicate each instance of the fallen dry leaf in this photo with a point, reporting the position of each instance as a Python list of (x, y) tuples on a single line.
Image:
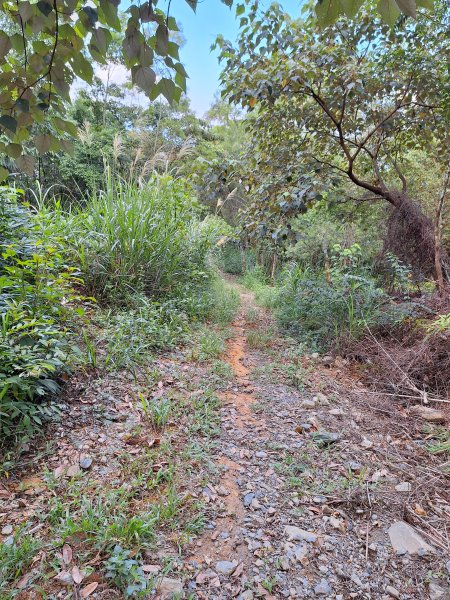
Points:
[(67, 554), (151, 568), (89, 589), (238, 570), (64, 577), (23, 581), (77, 575), (419, 510), (154, 442), (31, 483)]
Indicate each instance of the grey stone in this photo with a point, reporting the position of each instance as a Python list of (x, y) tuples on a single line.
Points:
[(300, 552), (226, 567), (325, 438), (247, 595), (437, 592), (299, 535), (248, 499), (85, 461), (323, 588), (405, 538), (7, 530), (392, 592), (308, 404), (168, 587), (404, 486)]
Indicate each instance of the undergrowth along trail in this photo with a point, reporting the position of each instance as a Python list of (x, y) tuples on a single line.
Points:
[(235, 467), (319, 486)]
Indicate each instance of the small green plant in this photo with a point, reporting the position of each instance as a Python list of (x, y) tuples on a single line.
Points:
[(157, 410), (222, 370), (208, 344), (126, 573), (90, 351), (441, 440), (258, 338), (269, 584), (15, 558), (440, 325)]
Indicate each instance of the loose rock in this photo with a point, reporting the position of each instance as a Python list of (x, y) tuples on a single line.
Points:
[(429, 414), (392, 592), (299, 535), (323, 588), (168, 587), (226, 567), (405, 538)]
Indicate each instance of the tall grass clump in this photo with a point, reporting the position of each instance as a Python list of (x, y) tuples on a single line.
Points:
[(139, 239)]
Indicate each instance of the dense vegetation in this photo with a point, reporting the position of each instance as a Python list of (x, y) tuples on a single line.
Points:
[(320, 180)]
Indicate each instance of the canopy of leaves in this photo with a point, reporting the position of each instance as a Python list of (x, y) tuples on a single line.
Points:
[(46, 44), (344, 101)]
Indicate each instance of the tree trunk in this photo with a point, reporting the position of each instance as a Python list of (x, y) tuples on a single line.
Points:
[(439, 251), (274, 266)]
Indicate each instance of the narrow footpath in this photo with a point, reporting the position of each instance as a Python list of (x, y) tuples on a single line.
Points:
[(321, 491)]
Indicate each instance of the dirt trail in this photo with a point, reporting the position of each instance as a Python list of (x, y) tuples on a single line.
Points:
[(311, 477)]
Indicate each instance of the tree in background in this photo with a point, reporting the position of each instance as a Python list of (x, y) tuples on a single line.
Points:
[(343, 103)]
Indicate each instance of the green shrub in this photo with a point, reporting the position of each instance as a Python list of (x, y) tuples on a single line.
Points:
[(126, 573), (133, 335), (15, 559), (224, 301), (230, 260), (35, 286), (321, 314)]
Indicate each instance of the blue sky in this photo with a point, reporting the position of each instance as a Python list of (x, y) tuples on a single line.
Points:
[(200, 30)]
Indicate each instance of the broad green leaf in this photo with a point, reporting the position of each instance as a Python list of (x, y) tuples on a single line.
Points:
[(351, 7), (389, 11), (67, 146), (429, 4), (8, 123), (192, 4), (109, 13), (172, 24), (26, 10), (43, 142), (162, 40), (5, 44), (102, 38), (45, 7), (172, 50), (132, 46), (167, 89), (327, 11), (14, 150), (179, 68), (82, 68), (408, 7), (180, 80), (26, 164), (66, 126), (3, 173), (240, 10), (143, 77)]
